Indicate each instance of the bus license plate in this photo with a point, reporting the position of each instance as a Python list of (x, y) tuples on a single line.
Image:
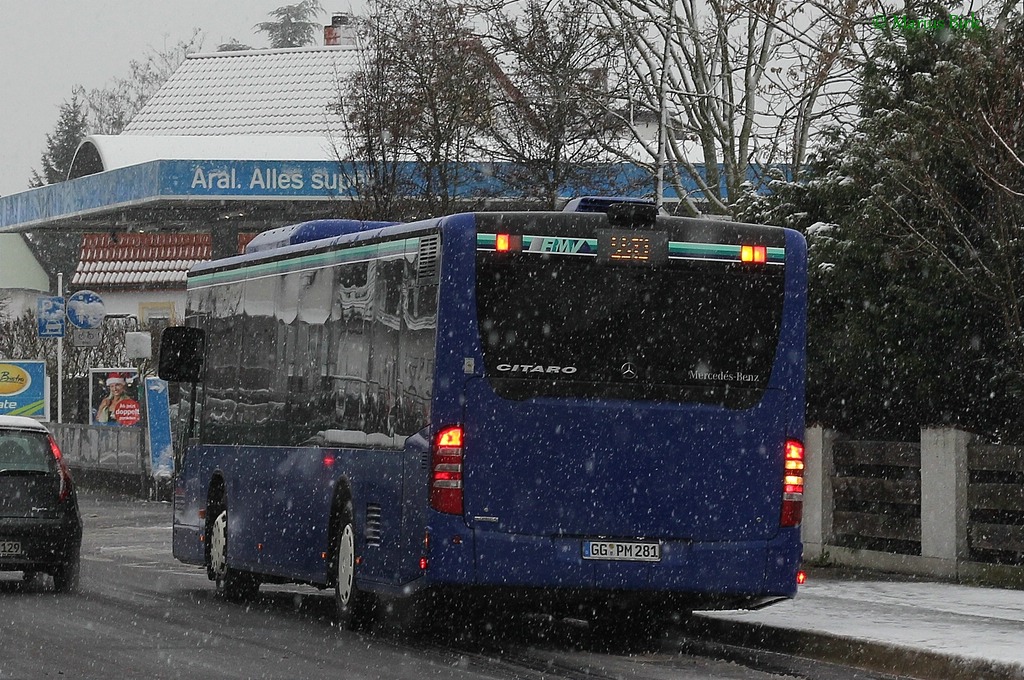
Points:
[(9, 548), (622, 550)]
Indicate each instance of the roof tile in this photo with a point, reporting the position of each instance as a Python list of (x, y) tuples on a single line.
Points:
[(138, 260), (215, 94)]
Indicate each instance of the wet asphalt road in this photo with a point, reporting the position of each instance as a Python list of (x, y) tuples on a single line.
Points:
[(141, 614)]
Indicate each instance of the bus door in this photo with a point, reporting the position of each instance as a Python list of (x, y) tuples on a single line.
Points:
[(294, 507)]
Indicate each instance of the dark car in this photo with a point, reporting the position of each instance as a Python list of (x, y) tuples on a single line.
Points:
[(40, 526)]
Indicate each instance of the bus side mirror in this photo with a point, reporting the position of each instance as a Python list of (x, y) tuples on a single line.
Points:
[(181, 354)]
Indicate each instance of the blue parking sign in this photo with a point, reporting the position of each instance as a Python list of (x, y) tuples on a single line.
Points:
[(50, 316)]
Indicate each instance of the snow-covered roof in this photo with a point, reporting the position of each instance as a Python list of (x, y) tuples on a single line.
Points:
[(273, 92), (98, 153), (249, 105)]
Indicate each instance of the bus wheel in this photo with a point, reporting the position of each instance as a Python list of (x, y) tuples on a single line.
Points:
[(232, 584), (355, 607)]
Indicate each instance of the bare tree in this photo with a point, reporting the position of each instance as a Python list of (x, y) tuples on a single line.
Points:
[(439, 70), (376, 115), (549, 62), (417, 103), (728, 85)]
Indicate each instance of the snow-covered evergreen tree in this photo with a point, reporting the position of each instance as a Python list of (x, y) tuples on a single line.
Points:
[(293, 25), (913, 221), (61, 146)]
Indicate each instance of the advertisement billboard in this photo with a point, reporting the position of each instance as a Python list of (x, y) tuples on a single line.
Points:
[(23, 389), (114, 397)]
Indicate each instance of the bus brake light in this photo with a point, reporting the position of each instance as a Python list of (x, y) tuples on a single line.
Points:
[(793, 484), (446, 472)]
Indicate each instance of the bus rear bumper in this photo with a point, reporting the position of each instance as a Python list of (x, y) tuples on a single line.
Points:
[(707, 575)]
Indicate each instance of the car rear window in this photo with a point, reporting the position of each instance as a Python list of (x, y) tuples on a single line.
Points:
[(25, 451)]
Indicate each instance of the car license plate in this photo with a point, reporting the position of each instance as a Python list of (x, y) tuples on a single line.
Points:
[(630, 551), (8, 548)]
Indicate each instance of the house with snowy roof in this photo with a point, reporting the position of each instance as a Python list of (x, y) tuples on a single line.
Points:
[(225, 131)]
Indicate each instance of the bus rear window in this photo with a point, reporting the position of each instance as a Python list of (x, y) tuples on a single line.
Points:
[(562, 326)]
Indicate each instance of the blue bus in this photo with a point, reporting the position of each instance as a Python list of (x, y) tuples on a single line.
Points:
[(596, 412)]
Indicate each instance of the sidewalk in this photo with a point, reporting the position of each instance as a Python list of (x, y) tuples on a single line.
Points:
[(897, 625)]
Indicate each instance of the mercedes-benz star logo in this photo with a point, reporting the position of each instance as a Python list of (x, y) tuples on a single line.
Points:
[(628, 370)]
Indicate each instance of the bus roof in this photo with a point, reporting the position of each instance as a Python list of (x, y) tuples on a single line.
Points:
[(306, 232)]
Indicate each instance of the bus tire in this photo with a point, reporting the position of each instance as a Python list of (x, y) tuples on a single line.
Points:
[(232, 584), (355, 607)]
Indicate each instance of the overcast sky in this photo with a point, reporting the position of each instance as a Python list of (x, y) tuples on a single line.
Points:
[(47, 47)]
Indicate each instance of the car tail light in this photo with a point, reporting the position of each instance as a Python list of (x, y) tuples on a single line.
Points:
[(793, 484), (446, 472), (62, 469)]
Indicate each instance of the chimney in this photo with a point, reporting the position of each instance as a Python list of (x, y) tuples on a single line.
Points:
[(342, 30)]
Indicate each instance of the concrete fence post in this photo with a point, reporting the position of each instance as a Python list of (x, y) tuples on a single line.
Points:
[(944, 510), (816, 529)]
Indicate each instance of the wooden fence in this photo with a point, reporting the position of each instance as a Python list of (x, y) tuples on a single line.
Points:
[(995, 496), (933, 507), (877, 496)]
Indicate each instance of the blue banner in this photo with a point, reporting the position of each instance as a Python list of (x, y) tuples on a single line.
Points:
[(161, 456)]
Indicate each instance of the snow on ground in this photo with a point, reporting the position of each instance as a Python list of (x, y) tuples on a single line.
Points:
[(962, 621)]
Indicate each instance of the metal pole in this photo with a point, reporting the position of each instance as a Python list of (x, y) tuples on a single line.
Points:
[(60, 355), (659, 197)]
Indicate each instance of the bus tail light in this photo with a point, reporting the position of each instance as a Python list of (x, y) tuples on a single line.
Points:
[(446, 472), (793, 484), (753, 254), (508, 243)]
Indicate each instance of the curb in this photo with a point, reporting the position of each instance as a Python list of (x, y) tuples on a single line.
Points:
[(864, 654)]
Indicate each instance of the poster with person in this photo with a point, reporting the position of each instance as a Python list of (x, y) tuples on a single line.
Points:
[(114, 397)]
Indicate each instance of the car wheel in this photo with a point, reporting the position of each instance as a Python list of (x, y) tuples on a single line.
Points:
[(66, 576), (231, 583), (355, 607)]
